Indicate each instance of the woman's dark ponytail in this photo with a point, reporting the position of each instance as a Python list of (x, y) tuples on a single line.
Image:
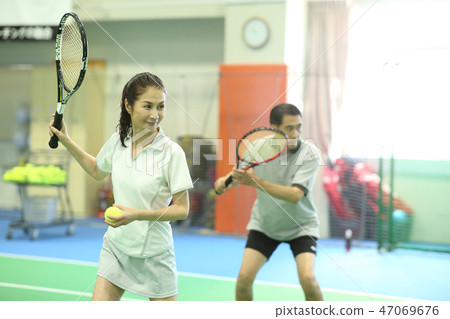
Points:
[(124, 125)]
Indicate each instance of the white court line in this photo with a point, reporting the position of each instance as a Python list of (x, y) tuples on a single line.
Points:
[(53, 290), (204, 276), (297, 286), (50, 259)]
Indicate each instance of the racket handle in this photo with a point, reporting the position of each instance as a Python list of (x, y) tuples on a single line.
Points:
[(57, 123), (228, 181)]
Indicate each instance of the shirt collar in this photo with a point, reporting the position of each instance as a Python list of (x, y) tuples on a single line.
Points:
[(299, 144), (158, 143)]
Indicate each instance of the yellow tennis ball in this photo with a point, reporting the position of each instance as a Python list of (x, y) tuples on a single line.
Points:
[(112, 211)]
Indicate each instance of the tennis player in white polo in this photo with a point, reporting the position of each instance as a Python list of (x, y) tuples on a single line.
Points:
[(150, 180)]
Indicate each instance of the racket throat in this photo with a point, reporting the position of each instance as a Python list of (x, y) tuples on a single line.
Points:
[(246, 168), (60, 107)]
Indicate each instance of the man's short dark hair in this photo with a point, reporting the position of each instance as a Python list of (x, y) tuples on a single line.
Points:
[(276, 115)]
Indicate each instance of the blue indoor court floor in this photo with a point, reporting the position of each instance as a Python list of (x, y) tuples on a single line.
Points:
[(401, 274)]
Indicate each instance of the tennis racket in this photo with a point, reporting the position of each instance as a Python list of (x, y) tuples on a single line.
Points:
[(260, 145), (71, 63)]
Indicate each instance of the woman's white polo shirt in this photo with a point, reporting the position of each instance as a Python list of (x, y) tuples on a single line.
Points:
[(146, 182)]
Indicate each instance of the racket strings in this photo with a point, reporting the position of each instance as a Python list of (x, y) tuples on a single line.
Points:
[(71, 53), (261, 146)]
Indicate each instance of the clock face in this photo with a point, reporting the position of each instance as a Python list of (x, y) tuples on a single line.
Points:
[(256, 33)]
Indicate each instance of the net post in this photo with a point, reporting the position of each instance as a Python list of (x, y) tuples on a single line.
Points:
[(391, 206), (380, 203)]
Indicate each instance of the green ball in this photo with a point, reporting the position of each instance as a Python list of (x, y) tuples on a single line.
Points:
[(112, 211)]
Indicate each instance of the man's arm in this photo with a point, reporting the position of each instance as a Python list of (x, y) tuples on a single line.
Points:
[(291, 194), (219, 184)]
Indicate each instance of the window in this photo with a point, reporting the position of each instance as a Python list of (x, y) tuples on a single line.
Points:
[(397, 89)]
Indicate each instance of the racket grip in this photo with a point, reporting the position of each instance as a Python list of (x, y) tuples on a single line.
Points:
[(57, 123), (228, 181)]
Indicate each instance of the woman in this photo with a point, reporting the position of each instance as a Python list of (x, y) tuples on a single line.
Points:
[(148, 172)]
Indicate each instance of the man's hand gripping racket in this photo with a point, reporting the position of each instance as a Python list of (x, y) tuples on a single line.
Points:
[(71, 62), (260, 145)]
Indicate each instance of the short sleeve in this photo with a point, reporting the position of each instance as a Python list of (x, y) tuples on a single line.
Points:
[(179, 178), (307, 163), (104, 157)]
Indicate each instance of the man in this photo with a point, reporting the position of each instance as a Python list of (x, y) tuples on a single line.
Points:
[(283, 210)]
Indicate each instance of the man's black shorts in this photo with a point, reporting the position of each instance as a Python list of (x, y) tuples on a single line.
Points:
[(266, 245)]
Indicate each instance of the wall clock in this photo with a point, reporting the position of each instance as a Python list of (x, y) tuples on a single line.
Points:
[(256, 33)]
